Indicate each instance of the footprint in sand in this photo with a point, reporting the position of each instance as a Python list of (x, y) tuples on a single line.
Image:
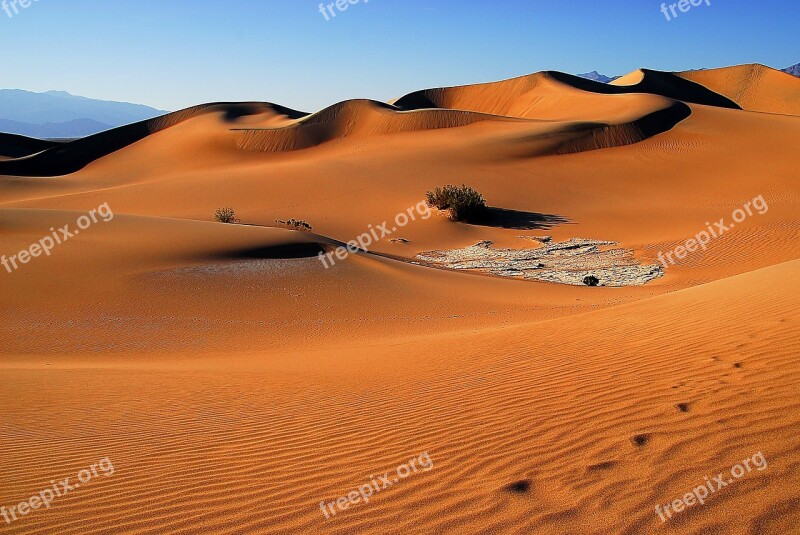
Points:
[(518, 487), (605, 465)]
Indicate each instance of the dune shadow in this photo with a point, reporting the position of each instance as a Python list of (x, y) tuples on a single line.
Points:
[(276, 252), (519, 220), (16, 146), (666, 84), (234, 112)]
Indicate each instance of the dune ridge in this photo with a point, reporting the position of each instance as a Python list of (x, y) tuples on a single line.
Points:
[(527, 95), (545, 96), (595, 137), (353, 118), (72, 156), (754, 87), (368, 118)]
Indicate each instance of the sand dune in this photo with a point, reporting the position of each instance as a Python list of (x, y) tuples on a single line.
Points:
[(584, 115), (491, 409), (666, 84), (538, 96), (553, 94), (588, 120), (753, 87), (70, 157), (235, 382), (15, 146), (353, 118), (267, 132)]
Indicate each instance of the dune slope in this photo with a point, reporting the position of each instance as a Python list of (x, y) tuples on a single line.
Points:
[(72, 156), (753, 87), (235, 381)]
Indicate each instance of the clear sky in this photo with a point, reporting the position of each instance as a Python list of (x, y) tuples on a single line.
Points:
[(172, 54)]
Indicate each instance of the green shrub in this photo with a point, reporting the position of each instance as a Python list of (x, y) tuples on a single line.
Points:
[(225, 215), (463, 203)]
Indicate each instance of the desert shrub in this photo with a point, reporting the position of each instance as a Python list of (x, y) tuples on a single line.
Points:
[(225, 215), (295, 224), (463, 203)]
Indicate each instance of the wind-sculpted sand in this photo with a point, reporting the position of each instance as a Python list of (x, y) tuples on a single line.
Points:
[(236, 383)]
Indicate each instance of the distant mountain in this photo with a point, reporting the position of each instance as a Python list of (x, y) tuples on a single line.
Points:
[(597, 77), (794, 70), (68, 130), (58, 114)]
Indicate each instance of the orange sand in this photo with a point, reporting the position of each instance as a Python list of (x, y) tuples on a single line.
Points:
[(235, 382)]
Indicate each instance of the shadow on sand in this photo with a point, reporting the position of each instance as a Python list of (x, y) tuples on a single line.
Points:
[(515, 219)]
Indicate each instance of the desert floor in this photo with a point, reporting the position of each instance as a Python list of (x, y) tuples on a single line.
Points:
[(235, 383)]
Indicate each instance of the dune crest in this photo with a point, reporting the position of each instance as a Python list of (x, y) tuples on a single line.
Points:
[(353, 118), (70, 157), (754, 87), (629, 110)]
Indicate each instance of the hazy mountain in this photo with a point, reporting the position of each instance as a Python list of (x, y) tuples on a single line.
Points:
[(597, 77), (59, 114), (70, 129), (794, 70)]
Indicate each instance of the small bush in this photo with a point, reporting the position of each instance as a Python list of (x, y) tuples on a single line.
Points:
[(463, 203), (225, 215), (295, 224)]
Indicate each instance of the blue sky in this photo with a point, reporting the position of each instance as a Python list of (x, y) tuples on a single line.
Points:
[(172, 54)]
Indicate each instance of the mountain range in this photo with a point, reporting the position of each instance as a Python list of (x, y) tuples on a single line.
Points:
[(58, 114), (794, 70), (597, 77)]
